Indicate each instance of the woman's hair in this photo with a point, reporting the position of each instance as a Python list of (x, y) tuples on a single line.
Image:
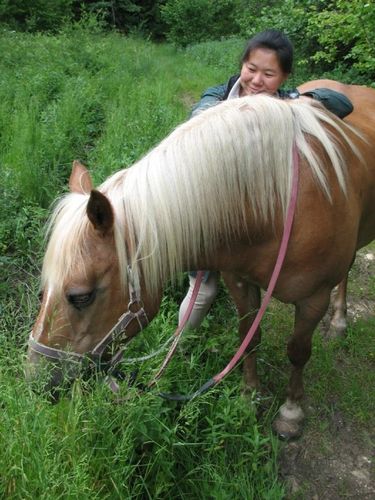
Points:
[(273, 40)]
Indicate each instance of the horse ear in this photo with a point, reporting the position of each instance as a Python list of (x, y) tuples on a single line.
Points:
[(80, 180), (100, 212)]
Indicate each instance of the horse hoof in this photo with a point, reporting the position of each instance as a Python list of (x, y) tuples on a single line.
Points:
[(288, 425), (336, 331), (287, 429)]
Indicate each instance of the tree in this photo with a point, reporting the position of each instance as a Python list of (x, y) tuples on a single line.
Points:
[(192, 21), (345, 31), (39, 15)]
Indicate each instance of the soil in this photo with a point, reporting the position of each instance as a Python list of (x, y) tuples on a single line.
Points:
[(339, 461), (334, 464)]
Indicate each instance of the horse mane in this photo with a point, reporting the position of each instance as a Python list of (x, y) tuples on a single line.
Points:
[(192, 190)]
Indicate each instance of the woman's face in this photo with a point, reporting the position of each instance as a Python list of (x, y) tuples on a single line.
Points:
[(261, 73)]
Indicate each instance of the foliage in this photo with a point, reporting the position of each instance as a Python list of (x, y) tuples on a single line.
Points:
[(288, 16), (45, 15), (345, 32), (327, 34), (224, 56), (81, 93), (128, 16), (20, 227), (192, 21)]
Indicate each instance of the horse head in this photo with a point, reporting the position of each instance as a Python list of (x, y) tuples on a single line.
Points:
[(83, 293)]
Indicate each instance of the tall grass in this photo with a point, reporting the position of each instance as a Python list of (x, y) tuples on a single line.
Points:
[(104, 99), (91, 445), (107, 100)]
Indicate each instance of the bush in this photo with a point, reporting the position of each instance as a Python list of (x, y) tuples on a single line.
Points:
[(288, 16), (192, 21), (127, 16), (345, 32), (47, 15)]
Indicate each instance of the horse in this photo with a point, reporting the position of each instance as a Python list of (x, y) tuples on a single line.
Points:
[(214, 195), (338, 323)]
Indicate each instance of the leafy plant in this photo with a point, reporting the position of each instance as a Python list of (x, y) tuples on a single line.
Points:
[(108, 100), (345, 32), (192, 21), (38, 15)]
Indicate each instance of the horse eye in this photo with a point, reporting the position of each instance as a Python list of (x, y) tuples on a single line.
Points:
[(80, 301)]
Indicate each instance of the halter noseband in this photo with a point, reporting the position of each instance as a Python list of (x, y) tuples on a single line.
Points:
[(96, 354)]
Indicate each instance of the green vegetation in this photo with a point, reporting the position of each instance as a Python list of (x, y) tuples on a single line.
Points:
[(329, 35), (107, 100)]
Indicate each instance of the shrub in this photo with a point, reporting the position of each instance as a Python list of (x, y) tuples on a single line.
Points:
[(288, 16), (127, 16), (345, 32), (192, 21), (46, 15)]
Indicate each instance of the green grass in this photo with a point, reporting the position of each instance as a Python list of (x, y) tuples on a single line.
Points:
[(91, 446), (107, 100)]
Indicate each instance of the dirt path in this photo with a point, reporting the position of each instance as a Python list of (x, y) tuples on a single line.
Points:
[(335, 464)]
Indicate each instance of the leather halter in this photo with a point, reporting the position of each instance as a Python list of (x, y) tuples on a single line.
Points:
[(95, 356)]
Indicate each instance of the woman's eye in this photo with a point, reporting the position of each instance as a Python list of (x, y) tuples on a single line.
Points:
[(80, 301)]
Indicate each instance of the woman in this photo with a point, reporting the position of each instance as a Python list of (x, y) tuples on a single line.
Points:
[(265, 65)]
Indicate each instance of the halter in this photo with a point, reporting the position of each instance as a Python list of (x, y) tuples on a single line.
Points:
[(135, 312), (94, 357)]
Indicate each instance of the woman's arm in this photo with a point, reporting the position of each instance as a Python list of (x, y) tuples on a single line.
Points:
[(210, 97)]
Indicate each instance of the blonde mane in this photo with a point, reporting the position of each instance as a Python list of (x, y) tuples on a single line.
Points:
[(190, 192)]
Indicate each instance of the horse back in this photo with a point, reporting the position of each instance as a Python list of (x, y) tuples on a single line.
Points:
[(362, 98), (361, 174)]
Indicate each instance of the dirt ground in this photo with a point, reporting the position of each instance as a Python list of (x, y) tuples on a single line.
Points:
[(339, 462), (341, 465)]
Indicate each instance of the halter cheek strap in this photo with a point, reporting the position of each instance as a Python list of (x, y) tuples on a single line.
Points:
[(96, 354), (117, 331)]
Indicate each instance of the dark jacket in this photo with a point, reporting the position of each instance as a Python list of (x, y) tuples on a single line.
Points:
[(334, 101)]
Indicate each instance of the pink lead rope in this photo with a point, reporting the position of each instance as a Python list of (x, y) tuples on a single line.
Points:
[(180, 328), (279, 262)]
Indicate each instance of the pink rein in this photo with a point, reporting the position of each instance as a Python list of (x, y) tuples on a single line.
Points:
[(275, 274), (279, 262)]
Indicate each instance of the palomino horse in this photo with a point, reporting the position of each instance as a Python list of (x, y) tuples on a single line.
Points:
[(213, 195)]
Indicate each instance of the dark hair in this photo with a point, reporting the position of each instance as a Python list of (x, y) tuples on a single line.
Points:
[(274, 40)]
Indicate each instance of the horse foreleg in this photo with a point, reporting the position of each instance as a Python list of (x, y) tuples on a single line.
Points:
[(247, 300), (308, 313), (339, 308)]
